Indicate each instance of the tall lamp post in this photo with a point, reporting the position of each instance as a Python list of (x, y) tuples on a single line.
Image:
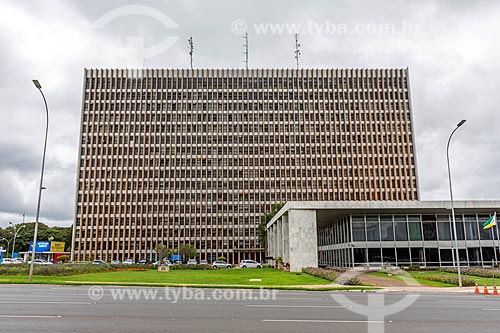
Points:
[(16, 231), (452, 207), (8, 243), (33, 251)]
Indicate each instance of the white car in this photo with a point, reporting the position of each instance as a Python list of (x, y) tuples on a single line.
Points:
[(220, 264), (129, 261), (192, 262), (9, 261), (167, 263), (41, 262), (250, 264)]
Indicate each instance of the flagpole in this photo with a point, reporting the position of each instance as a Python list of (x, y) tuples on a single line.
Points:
[(494, 247)]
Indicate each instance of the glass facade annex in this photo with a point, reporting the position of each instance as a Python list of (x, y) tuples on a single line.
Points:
[(425, 240)]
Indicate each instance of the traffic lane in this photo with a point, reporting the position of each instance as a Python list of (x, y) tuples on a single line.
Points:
[(292, 311)]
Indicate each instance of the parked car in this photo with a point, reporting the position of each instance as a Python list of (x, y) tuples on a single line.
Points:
[(250, 264), (203, 262), (192, 262), (221, 264), (19, 261), (9, 261), (115, 262), (143, 262), (128, 261), (40, 262), (98, 262)]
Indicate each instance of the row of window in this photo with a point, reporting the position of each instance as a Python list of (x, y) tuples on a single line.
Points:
[(410, 228), (249, 107), (217, 82), (430, 256)]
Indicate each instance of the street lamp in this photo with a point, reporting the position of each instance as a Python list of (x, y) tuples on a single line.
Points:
[(16, 231), (8, 243), (33, 252), (452, 208)]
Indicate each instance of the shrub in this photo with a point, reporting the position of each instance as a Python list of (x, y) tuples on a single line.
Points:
[(202, 267), (326, 274), (64, 258), (487, 273), (450, 279), (67, 269), (351, 281)]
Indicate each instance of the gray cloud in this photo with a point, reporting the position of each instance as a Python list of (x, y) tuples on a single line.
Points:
[(451, 52)]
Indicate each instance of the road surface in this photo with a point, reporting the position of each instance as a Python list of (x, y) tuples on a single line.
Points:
[(47, 308)]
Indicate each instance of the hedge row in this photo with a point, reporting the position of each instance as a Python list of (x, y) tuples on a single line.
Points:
[(487, 273), (184, 267), (332, 275), (326, 274), (450, 279), (67, 269)]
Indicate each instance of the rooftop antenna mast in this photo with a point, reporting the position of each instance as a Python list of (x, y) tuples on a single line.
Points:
[(297, 49), (191, 49), (245, 37)]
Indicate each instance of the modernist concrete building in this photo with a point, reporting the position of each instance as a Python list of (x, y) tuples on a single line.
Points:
[(198, 156), (364, 233)]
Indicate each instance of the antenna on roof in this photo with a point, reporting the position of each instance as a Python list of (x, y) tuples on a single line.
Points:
[(297, 49), (191, 49), (245, 37)]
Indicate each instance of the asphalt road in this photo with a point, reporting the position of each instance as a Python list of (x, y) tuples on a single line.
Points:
[(44, 308)]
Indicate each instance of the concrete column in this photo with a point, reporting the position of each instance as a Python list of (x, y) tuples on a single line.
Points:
[(269, 241), (286, 239), (275, 241), (279, 241), (303, 239)]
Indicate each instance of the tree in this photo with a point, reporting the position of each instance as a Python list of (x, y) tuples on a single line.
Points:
[(264, 220), (25, 236), (187, 251), (162, 251)]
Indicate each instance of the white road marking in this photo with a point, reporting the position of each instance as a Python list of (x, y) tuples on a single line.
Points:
[(14, 316), (316, 298), (54, 294), (324, 321), (293, 306), (42, 302), (491, 309)]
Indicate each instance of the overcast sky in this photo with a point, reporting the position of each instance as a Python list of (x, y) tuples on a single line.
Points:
[(451, 47)]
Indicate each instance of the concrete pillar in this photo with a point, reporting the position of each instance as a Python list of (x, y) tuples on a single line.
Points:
[(279, 241), (275, 240), (303, 239), (286, 238), (269, 241)]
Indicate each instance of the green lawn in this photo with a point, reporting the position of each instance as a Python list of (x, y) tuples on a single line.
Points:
[(269, 278)]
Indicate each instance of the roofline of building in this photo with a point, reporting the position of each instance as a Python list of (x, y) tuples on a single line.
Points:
[(460, 205)]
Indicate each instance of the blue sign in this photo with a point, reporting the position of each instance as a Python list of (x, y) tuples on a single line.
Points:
[(175, 257), (1, 254), (41, 246), (15, 255)]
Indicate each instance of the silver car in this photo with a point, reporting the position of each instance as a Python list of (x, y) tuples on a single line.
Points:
[(250, 264), (220, 264)]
